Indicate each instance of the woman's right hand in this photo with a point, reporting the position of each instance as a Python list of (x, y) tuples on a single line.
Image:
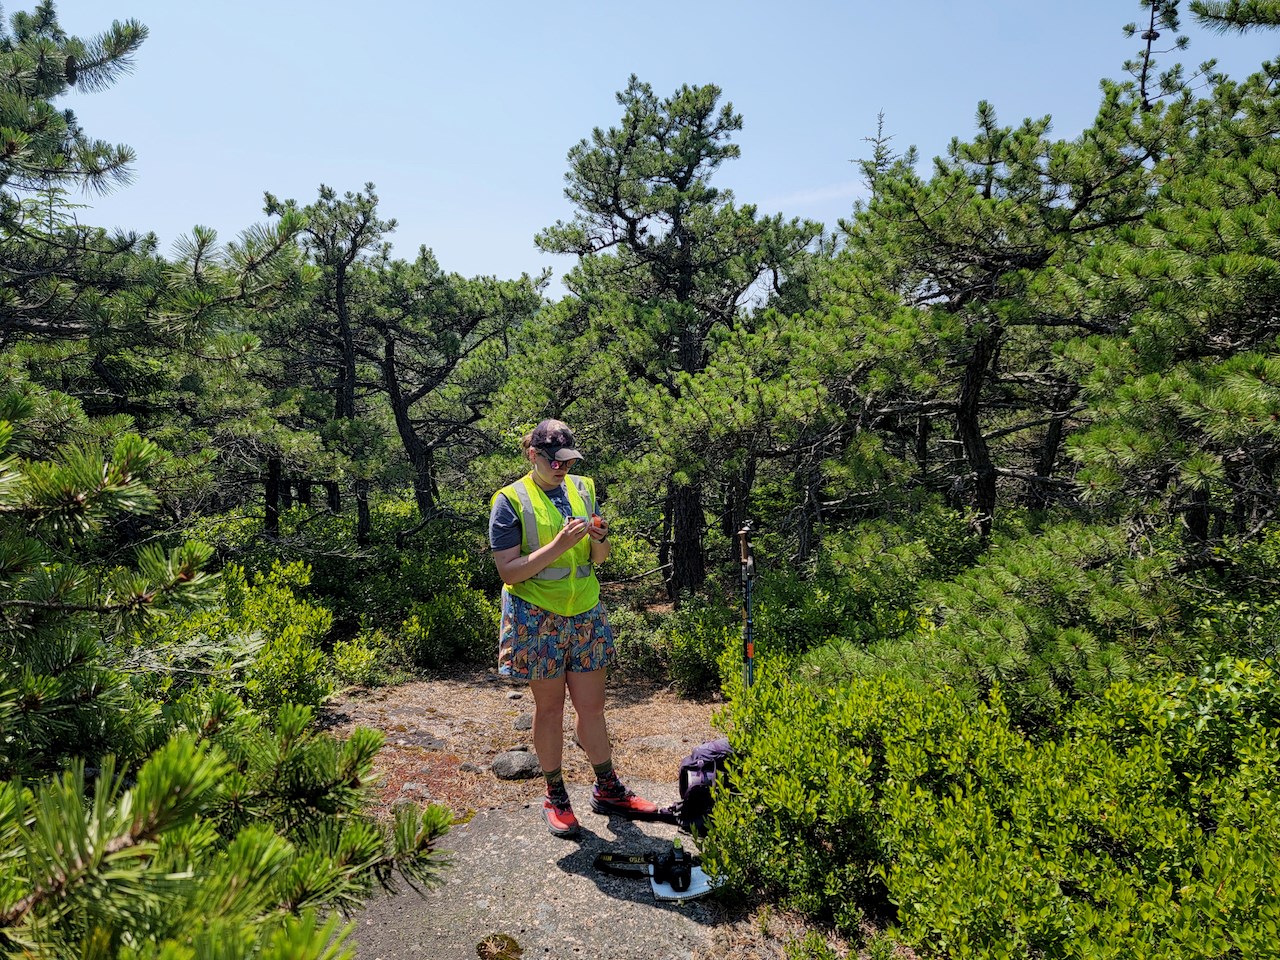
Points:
[(570, 534)]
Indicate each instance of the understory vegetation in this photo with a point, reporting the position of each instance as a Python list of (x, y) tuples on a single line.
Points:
[(1007, 440)]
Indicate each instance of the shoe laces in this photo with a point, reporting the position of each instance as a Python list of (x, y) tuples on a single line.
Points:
[(614, 790), (560, 802)]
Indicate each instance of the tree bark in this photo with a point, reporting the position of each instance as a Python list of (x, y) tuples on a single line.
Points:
[(271, 524), (737, 502), (420, 455), (808, 481), (345, 399), (1039, 494), (969, 428), (364, 524), (924, 427), (688, 566)]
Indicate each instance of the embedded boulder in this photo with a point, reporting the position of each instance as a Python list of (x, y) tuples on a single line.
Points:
[(516, 765)]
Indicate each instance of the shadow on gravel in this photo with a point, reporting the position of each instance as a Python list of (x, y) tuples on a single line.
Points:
[(629, 838)]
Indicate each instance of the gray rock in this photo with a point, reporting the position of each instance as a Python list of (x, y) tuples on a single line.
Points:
[(516, 765), (416, 738), (524, 722), (514, 695), (471, 768)]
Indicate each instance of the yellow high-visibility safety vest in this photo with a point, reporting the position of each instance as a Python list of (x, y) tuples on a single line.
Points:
[(569, 586)]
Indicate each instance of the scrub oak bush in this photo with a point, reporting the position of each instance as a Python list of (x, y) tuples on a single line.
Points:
[(694, 639), (1149, 825), (268, 638)]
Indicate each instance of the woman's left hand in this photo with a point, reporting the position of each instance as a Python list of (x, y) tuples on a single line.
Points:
[(598, 528)]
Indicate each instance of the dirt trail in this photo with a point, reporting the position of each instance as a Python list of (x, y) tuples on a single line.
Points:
[(442, 735)]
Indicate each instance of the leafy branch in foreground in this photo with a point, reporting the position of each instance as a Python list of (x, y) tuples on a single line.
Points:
[(61, 607), (154, 867)]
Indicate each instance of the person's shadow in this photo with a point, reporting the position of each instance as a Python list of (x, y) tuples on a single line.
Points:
[(629, 839)]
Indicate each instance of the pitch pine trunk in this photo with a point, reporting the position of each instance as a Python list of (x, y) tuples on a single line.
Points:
[(271, 523), (688, 565), (969, 426)]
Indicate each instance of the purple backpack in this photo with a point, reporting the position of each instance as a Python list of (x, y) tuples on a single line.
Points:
[(698, 774)]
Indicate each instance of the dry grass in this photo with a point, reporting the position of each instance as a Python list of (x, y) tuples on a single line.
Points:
[(442, 734)]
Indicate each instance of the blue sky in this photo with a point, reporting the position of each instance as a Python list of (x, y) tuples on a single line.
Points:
[(461, 114)]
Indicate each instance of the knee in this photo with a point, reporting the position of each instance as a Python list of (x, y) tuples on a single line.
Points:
[(548, 713)]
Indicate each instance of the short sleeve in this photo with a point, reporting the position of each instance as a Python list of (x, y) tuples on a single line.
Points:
[(504, 524)]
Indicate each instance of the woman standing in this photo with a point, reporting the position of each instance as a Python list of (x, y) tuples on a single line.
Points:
[(547, 539)]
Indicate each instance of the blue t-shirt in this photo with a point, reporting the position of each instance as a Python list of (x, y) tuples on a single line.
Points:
[(504, 522)]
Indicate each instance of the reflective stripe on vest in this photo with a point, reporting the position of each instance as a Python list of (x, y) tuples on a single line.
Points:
[(569, 585), (529, 523)]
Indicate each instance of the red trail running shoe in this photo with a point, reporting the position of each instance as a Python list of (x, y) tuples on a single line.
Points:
[(559, 816), (615, 798)]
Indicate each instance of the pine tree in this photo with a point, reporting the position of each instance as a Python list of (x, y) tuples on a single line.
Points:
[(317, 345), (1238, 15), (439, 344), (666, 259), (949, 281), (58, 616), (1186, 401), (197, 805)]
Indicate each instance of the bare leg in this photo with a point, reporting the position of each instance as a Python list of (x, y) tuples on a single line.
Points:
[(586, 690), (548, 721)]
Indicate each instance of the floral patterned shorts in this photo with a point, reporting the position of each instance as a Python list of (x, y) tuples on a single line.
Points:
[(536, 644)]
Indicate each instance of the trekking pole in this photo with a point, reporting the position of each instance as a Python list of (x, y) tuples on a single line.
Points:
[(748, 575)]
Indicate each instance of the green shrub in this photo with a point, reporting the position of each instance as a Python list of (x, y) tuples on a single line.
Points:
[(811, 946), (1233, 608), (630, 557), (864, 586), (1149, 826), (459, 627), (376, 584), (290, 669), (260, 638), (695, 637), (640, 652), (1051, 618), (355, 661)]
